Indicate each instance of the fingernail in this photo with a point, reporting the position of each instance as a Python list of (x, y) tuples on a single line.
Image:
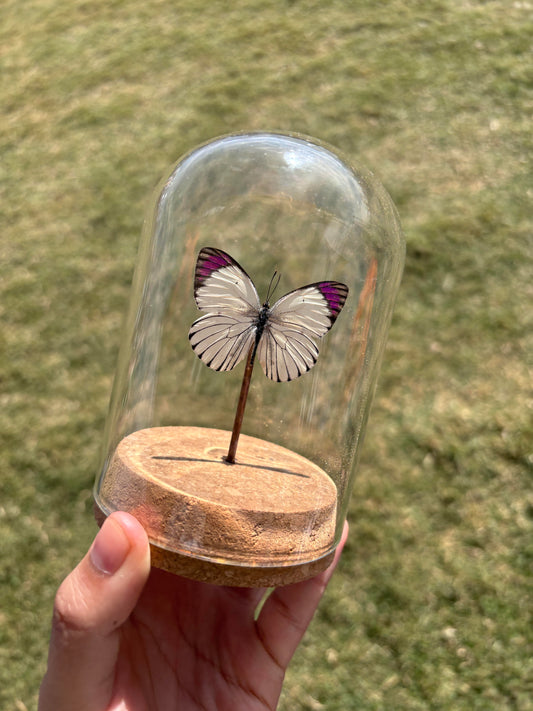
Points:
[(110, 547)]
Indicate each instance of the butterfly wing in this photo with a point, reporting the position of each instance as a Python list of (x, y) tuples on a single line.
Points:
[(223, 337), (220, 283), (288, 348)]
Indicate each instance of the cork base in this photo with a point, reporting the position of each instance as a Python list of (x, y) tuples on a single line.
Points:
[(266, 520)]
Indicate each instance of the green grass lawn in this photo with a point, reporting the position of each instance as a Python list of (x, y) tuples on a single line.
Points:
[(431, 607)]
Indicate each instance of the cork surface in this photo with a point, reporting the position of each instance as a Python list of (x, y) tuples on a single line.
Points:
[(268, 519)]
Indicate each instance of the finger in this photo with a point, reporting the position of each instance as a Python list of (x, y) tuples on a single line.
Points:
[(289, 610), (90, 606)]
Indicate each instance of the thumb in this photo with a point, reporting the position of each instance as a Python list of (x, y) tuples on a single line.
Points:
[(90, 606)]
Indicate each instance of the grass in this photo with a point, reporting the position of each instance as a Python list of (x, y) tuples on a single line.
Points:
[(431, 608)]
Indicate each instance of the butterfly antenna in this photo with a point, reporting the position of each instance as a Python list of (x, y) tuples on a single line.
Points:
[(274, 282)]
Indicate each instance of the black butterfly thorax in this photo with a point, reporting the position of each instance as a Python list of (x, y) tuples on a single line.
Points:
[(261, 321)]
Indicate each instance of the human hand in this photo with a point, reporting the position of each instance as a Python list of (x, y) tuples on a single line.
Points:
[(129, 638)]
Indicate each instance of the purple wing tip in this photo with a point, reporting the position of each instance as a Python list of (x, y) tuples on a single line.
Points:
[(209, 260), (335, 294)]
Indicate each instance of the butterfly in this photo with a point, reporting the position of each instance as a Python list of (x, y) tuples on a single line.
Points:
[(282, 336)]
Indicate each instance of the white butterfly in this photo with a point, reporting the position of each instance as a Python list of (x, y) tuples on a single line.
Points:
[(282, 336)]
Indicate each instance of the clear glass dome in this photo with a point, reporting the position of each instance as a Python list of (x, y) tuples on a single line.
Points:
[(277, 204)]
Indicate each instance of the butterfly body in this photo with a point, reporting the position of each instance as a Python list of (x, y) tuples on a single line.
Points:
[(236, 324), (261, 321)]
